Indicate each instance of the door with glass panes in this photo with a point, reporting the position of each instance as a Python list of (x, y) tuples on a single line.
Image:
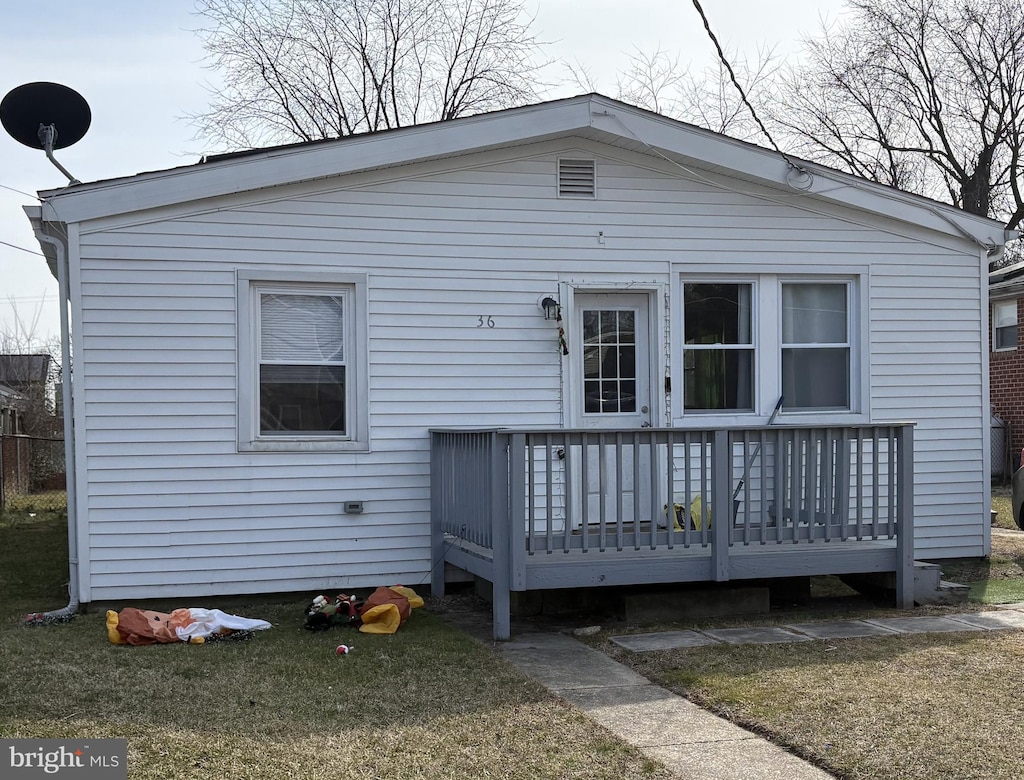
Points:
[(610, 342)]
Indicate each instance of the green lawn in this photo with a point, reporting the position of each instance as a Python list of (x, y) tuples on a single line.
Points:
[(426, 702)]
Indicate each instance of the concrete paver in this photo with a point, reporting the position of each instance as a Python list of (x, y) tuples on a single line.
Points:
[(1018, 605), (630, 713), (840, 629), (766, 635), (751, 759), (922, 625), (665, 640), (993, 620)]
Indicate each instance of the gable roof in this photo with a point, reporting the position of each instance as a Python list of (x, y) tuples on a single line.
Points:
[(593, 116), (19, 371), (1006, 282)]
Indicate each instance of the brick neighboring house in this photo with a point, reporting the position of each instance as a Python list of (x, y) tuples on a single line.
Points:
[(1006, 362)]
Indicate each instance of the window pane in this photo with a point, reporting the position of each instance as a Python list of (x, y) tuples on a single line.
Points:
[(1006, 338), (716, 313), (719, 379), (816, 378), (1005, 314), (609, 361), (302, 328), (814, 314), (306, 399)]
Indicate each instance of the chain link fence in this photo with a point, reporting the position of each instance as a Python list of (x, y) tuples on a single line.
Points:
[(1002, 460), (32, 476)]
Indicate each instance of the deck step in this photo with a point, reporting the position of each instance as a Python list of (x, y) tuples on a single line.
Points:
[(929, 587)]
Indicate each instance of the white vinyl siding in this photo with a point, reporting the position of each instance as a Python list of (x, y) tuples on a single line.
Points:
[(173, 508)]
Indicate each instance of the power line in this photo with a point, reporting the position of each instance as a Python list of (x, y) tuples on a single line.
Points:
[(739, 88), (20, 192), (23, 249)]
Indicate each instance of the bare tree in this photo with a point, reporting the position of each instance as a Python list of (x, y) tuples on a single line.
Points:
[(925, 95), (301, 70), (708, 98)]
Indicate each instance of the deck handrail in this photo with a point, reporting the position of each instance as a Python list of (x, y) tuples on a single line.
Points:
[(517, 493)]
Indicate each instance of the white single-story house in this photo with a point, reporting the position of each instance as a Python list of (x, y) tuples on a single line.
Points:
[(264, 342)]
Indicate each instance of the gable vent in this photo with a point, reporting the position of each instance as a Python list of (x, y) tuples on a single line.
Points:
[(577, 178)]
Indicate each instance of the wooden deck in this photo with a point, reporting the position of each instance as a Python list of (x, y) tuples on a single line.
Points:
[(538, 510)]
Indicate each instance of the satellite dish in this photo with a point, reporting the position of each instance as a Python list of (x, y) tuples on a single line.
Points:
[(46, 116)]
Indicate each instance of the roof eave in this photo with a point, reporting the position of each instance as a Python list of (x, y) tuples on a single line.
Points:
[(587, 115)]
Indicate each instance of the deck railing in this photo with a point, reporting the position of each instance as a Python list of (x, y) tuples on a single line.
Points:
[(518, 494)]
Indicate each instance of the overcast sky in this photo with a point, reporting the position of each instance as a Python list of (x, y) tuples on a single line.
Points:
[(139, 65)]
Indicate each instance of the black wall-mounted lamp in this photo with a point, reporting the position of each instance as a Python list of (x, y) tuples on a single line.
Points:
[(552, 310)]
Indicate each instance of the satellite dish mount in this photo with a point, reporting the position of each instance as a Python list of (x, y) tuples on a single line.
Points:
[(47, 138), (32, 114)]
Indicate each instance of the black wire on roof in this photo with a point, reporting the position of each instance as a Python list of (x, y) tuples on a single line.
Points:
[(739, 88)]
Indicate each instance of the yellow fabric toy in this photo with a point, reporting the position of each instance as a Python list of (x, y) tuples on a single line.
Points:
[(387, 609)]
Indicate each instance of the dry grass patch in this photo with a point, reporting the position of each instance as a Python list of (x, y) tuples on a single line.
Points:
[(1003, 506), (908, 707), (427, 702)]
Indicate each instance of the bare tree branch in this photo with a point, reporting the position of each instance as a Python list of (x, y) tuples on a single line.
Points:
[(298, 70), (922, 94)]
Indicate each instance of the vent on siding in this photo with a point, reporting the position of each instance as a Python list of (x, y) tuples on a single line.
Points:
[(577, 178)]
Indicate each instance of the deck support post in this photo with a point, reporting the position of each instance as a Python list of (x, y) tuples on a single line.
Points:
[(517, 510), (436, 520), (904, 436), (501, 604), (721, 505)]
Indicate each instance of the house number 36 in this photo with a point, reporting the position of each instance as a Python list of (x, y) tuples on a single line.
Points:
[(485, 321)]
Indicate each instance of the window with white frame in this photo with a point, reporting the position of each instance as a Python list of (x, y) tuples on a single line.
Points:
[(718, 351), (302, 366), (816, 345), (1004, 325), (302, 363), (770, 335)]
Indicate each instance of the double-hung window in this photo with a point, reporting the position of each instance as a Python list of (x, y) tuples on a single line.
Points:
[(718, 351), (748, 340), (302, 368), (1004, 325), (816, 346)]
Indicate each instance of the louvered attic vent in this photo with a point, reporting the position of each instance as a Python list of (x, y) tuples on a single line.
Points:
[(577, 178)]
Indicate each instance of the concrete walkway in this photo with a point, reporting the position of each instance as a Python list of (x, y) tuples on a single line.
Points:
[(690, 741)]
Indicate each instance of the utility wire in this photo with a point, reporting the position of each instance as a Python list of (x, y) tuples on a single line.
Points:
[(739, 88), (23, 249), (20, 192)]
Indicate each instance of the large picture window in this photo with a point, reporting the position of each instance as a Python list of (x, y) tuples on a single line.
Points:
[(302, 362)]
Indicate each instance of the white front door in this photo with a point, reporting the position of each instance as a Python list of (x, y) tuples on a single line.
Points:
[(611, 347), (610, 342)]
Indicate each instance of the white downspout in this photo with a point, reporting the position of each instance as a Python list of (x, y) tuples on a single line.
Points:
[(63, 271)]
